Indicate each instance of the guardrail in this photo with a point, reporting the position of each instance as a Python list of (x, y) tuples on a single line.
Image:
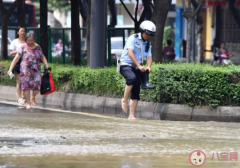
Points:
[(110, 32)]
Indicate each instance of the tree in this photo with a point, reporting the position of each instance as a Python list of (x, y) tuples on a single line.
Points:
[(112, 9), (158, 14), (147, 13), (83, 10), (75, 33), (189, 14), (159, 17), (44, 27), (21, 13), (6, 14), (199, 20), (61, 5), (234, 11)]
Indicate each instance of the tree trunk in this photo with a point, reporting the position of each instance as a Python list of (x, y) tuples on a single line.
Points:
[(219, 24), (6, 13), (4, 49), (161, 8), (199, 21), (21, 13), (200, 43), (189, 39), (88, 31), (136, 27), (146, 13), (190, 14), (147, 9), (75, 33), (234, 12), (83, 10), (44, 27), (137, 24), (112, 9)]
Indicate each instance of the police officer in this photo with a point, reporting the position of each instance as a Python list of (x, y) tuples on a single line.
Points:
[(137, 48)]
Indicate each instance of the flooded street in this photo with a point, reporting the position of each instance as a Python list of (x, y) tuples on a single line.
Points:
[(46, 138)]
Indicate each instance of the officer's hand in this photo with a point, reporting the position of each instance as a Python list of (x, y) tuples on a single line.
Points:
[(142, 68), (149, 69)]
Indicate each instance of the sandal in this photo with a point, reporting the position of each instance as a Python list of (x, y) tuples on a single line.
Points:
[(21, 101)]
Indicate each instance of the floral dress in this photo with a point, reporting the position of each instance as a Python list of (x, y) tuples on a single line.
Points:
[(30, 68)]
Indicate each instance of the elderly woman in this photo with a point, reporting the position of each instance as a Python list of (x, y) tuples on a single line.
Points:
[(30, 68)]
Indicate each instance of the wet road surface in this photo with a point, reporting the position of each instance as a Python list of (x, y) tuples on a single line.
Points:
[(48, 138)]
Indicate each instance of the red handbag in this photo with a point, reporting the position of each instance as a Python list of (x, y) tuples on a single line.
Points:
[(47, 85)]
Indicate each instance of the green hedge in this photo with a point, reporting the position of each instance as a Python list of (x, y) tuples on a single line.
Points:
[(59, 60), (180, 83)]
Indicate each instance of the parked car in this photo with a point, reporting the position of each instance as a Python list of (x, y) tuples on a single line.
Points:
[(9, 42), (84, 48), (117, 46)]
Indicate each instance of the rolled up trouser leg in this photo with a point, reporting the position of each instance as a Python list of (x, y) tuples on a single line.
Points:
[(133, 77), (145, 80)]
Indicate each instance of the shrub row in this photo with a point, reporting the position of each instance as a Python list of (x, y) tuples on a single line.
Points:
[(180, 83)]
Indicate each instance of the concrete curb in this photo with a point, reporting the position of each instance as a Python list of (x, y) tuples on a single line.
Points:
[(112, 106)]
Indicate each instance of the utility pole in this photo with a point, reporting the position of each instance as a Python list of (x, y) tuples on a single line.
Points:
[(98, 34), (44, 27)]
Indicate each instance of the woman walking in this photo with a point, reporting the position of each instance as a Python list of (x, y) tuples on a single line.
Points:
[(14, 47), (30, 68)]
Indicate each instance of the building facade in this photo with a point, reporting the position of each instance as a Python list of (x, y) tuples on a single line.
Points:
[(218, 23)]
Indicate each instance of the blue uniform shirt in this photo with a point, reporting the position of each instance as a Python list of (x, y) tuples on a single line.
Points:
[(133, 42)]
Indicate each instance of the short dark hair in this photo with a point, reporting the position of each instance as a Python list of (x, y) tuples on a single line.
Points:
[(20, 27), (169, 42), (28, 35), (223, 43)]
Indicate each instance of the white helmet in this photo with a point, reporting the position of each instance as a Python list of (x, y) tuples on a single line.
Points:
[(148, 27)]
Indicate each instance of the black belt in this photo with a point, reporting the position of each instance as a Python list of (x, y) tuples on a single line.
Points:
[(131, 65)]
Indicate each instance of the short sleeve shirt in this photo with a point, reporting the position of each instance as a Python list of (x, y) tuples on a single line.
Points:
[(221, 52), (15, 45), (133, 42)]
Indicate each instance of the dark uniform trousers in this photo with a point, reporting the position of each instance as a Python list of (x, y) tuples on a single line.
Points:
[(133, 77)]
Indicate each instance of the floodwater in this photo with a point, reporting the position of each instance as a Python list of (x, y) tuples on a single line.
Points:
[(45, 138)]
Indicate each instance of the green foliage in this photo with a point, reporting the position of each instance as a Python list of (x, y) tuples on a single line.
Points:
[(59, 60), (62, 5), (180, 83), (168, 34)]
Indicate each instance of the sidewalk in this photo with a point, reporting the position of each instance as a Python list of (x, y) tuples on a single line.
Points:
[(112, 106), (235, 59)]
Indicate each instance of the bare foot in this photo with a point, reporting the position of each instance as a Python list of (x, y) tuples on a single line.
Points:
[(131, 118), (124, 106), (28, 106), (33, 101)]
